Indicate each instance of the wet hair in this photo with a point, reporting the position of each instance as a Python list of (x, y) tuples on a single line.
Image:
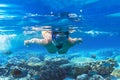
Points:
[(60, 30)]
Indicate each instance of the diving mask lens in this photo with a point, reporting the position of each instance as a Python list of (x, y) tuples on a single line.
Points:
[(60, 37)]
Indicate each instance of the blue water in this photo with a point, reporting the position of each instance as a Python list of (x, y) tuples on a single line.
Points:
[(98, 26)]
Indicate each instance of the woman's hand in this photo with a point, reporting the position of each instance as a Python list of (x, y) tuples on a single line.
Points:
[(26, 43), (79, 40)]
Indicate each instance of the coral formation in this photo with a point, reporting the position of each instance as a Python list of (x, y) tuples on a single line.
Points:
[(57, 69), (103, 67), (116, 73)]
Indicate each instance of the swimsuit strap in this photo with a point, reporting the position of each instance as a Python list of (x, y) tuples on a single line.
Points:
[(58, 46)]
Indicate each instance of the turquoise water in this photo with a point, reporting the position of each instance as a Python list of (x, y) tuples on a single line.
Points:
[(98, 26)]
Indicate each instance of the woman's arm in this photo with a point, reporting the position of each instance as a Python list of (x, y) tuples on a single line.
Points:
[(75, 40), (34, 41)]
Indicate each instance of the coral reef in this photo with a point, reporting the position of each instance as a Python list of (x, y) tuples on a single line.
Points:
[(17, 73), (57, 69), (82, 77), (103, 68), (116, 73)]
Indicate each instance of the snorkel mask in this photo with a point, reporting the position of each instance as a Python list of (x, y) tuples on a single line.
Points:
[(59, 36)]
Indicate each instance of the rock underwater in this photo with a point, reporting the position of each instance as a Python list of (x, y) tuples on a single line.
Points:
[(57, 69)]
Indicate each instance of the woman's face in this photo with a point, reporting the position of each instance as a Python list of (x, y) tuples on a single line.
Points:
[(60, 37)]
